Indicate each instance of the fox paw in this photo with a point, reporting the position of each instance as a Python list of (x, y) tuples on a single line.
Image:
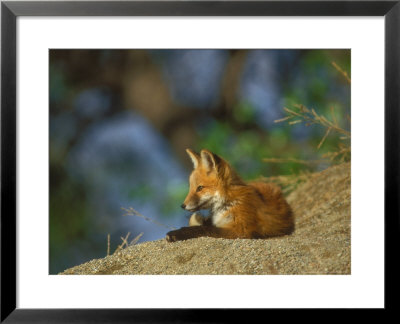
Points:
[(171, 236)]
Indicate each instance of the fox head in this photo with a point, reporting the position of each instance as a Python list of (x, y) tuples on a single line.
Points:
[(209, 181)]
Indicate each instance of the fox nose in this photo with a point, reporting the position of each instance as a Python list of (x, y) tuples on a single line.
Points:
[(183, 206)]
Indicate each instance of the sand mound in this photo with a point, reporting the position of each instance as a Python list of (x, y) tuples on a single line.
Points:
[(319, 245)]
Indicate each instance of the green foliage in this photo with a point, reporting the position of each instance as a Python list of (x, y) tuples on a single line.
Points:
[(246, 148), (244, 113), (175, 197), (141, 191), (67, 210), (68, 220)]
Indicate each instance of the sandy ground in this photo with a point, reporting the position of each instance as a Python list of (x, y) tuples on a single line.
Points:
[(319, 245)]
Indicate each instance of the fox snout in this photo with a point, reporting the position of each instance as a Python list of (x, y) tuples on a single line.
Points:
[(191, 203), (189, 206)]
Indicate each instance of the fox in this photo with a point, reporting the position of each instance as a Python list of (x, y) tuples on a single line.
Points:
[(253, 210)]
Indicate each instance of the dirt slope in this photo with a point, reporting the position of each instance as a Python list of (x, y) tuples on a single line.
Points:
[(319, 245)]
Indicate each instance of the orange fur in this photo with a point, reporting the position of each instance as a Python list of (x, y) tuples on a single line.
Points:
[(237, 209)]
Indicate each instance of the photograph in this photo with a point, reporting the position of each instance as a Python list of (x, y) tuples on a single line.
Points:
[(199, 161)]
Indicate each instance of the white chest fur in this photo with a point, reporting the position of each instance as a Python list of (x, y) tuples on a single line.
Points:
[(221, 218), (220, 212)]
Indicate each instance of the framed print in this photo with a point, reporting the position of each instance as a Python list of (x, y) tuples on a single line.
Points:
[(189, 153)]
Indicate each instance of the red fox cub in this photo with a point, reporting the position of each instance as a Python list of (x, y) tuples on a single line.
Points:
[(238, 209)]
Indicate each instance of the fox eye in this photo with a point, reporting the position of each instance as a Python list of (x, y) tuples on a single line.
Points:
[(199, 188)]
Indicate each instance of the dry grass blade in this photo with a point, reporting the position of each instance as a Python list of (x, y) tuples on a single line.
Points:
[(283, 119), (343, 152), (292, 112), (289, 183), (314, 113), (291, 160), (303, 108), (301, 113), (132, 212), (342, 72), (333, 115), (136, 239), (124, 242), (324, 138), (311, 117), (108, 244)]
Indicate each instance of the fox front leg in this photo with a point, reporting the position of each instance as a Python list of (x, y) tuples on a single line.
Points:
[(186, 233), (196, 220)]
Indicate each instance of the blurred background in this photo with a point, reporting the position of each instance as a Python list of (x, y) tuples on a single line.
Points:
[(120, 121)]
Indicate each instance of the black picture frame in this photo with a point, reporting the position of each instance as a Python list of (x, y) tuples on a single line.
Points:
[(10, 10)]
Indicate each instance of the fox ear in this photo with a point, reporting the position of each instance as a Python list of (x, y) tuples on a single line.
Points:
[(209, 160), (194, 157)]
